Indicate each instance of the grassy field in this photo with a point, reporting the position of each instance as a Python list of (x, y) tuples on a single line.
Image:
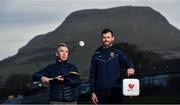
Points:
[(17, 69), (164, 99), (156, 99), (27, 68)]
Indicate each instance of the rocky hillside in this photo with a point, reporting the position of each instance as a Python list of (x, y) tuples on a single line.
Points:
[(141, 26)]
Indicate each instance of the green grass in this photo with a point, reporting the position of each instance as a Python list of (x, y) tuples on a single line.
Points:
[(156, 99), (18, 69), (161, 99)]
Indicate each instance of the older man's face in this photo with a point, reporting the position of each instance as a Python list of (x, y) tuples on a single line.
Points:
[(62, 53), (107, 39)]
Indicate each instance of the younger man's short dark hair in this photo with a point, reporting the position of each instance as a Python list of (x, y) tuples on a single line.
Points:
[(106, 30)]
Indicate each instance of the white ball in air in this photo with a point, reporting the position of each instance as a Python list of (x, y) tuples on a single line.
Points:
[(81, 43)]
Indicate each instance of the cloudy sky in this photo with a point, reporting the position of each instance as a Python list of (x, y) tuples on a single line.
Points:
[(21, 20)]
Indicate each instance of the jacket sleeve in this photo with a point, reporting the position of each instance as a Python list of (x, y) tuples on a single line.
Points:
[(123, 59), (73, 78), (38, 75), (92, 75)]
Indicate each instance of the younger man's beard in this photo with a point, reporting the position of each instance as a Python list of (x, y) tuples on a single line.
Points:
[(107, 45)]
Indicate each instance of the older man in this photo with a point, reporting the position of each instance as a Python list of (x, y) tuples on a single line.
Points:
[(62, 76)]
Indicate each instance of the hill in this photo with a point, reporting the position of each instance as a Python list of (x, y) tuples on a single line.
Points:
[(141, 26)]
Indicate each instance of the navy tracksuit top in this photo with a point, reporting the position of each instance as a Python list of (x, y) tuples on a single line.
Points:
[(106, 66)]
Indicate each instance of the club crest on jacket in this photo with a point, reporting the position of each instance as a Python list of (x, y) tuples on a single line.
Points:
[(112, 54)]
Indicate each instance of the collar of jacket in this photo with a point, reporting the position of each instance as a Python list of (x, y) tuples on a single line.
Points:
[(60, 62), (107, 47), (104, 48)]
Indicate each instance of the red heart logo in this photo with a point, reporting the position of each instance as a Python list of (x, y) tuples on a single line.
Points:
[(130, 86)]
